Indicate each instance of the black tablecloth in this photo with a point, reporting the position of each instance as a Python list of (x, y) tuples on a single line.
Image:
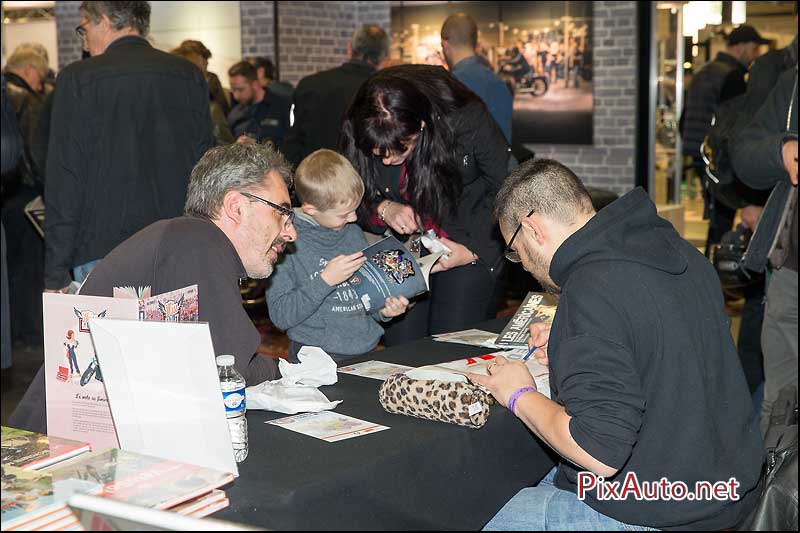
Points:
[(417, 475)]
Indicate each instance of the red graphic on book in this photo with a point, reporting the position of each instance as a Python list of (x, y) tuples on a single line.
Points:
[(475, 360), (63, 373)]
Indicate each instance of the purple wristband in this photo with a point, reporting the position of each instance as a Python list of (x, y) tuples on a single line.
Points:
[(512, 401)]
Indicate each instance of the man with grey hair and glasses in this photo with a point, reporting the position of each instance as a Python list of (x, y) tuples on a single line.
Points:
[(128, 125), (236, 223), (645, 381)]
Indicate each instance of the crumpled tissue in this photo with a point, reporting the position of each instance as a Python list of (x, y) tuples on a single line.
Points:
[(433, 244), (296, 391)]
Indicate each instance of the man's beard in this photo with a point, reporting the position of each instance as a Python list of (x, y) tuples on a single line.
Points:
[(539, 268), (269, 264)]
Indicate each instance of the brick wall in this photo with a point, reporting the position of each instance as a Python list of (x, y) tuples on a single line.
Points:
[(258, 23), (610, 162), (373, 12), (68, 16), (314, 35)]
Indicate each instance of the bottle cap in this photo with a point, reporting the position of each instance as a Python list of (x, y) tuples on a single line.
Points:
[(225, 360)]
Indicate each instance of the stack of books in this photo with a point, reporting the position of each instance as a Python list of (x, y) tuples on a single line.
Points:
[(37, 500), (33, 501), (33, 451)]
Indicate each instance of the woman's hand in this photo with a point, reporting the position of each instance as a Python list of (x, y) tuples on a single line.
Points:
[(400, 217), (460, 255)]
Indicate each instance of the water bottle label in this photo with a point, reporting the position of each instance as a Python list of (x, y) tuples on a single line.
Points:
[(233, 400)]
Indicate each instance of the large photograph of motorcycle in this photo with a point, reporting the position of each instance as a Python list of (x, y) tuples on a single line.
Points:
[(542, 51)]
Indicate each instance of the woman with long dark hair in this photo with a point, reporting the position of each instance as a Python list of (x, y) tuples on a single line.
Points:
[(432, 157)]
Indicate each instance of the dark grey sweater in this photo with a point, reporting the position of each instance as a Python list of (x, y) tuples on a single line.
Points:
[(311, 311)]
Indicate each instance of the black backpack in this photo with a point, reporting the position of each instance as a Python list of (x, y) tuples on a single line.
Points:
[(722, 183)]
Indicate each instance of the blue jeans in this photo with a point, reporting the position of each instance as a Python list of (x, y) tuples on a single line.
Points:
[(81, 272), (547, 508), (73, 360)]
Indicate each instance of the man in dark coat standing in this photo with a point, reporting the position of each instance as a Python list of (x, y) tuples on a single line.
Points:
[(764, 155), (321, 100), (718, 81), (128, 125)]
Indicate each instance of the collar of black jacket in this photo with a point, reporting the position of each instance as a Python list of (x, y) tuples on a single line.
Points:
[(359, 64), (18, 81), (128, 40), (725, 57)]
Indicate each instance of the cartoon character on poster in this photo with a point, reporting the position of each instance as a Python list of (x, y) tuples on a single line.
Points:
[(84, 316), (71, 343), (171, 309)]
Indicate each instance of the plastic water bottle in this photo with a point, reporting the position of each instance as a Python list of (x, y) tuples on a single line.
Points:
[(232, 384)]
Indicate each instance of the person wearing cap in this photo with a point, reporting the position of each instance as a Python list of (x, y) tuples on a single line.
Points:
[(718, 81)]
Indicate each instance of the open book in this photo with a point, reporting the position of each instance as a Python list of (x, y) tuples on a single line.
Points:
[(77, 404), (34, 500), (391, 270), (537, 307)]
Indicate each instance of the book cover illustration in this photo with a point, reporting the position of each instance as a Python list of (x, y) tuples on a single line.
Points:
[(77, 403), (537, 307), (30, 495), (391, 270), (140, 479), (32, 451), (176, 306)]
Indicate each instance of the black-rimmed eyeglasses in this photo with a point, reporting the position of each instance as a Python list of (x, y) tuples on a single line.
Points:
[(511, 254), (81, 31), (284, 211)]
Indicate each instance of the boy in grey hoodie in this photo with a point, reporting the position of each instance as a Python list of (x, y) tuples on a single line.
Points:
[(309, 296)]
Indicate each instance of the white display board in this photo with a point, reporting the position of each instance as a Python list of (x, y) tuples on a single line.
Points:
[(163, 389)]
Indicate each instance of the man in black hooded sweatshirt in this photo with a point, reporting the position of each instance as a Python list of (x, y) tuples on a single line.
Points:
[(644, 374)]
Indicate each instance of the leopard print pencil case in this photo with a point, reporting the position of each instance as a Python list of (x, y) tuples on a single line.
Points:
[(464, 404)]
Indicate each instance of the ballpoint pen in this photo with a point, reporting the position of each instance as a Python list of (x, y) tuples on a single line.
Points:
[(530, 352)]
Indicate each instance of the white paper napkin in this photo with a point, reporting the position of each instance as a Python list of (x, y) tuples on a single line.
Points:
[(296, 391)]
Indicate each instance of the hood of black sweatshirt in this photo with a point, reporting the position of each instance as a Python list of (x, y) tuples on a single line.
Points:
[(627, 230)]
